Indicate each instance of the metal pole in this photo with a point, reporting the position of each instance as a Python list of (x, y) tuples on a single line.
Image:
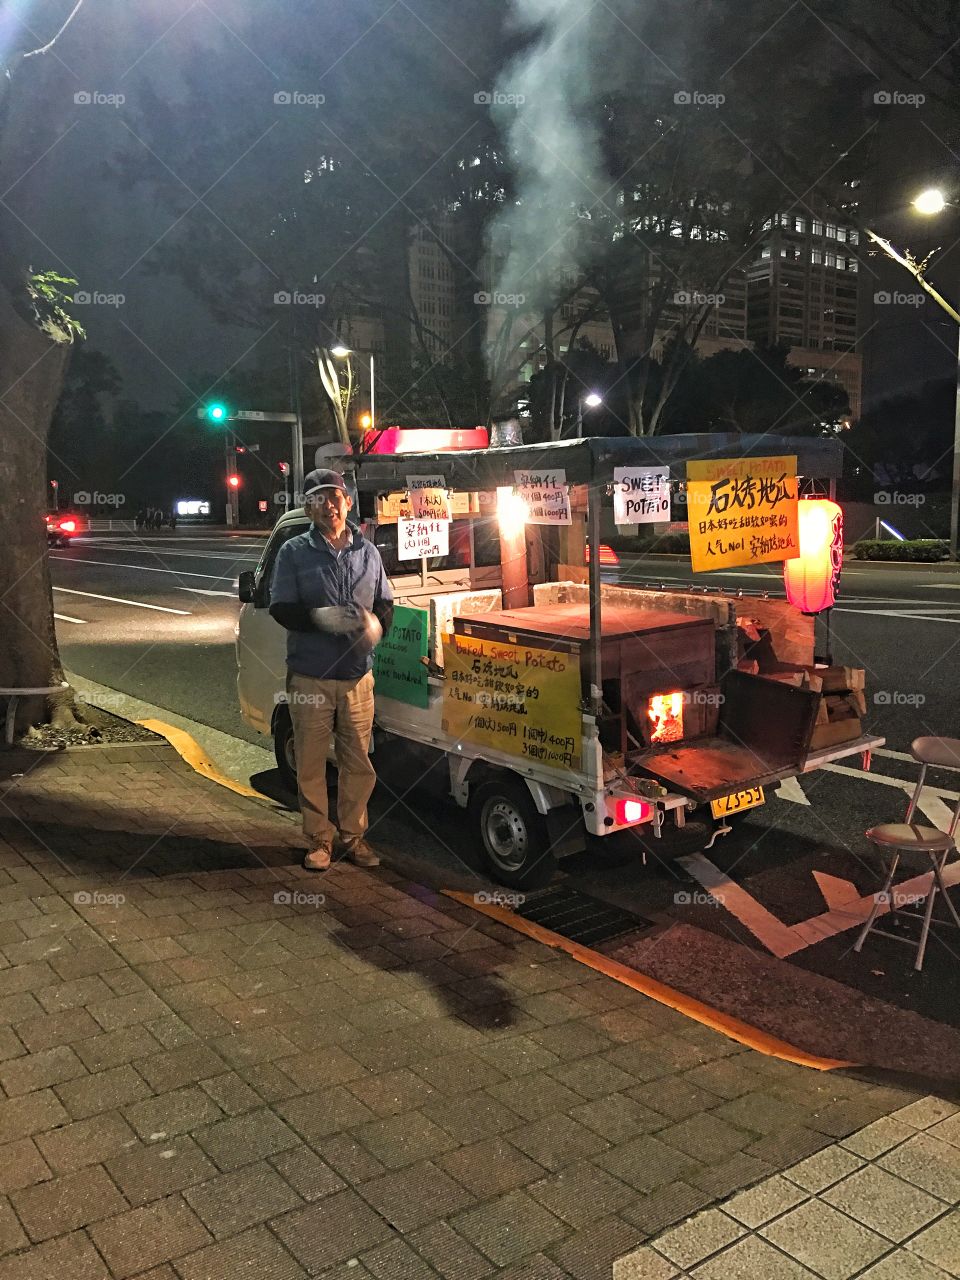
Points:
[(593, 574), (226, 477), (296, 430), (373, 396), (955, 487), (579, 418)]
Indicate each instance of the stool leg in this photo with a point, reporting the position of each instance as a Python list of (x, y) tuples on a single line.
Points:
[(943, 889), (928, 913), (881, 894)]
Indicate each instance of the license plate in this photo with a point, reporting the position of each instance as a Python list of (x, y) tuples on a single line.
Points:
[(737, 801)]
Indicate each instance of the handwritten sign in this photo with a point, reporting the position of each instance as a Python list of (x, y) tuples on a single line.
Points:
[(419, 538), (398, 667), (742, 512), (429, 499), (514, 698), (641, 495), (546, 495)]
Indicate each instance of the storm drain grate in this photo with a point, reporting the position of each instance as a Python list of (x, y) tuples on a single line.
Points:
[(579, 917)]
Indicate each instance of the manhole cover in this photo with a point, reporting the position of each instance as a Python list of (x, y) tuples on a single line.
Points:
[(579, 917)]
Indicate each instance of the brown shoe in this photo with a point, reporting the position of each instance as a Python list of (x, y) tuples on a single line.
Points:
[(359, 853), (318, 859)]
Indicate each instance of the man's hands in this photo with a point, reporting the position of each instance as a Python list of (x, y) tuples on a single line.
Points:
[(339, 619)]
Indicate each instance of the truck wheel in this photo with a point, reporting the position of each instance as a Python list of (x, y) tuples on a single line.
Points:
[(513, 835), (284, 749)]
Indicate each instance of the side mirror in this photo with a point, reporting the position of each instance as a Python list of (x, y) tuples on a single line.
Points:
[(246, 586)]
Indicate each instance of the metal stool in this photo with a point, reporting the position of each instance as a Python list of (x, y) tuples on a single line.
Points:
[(930, 844)]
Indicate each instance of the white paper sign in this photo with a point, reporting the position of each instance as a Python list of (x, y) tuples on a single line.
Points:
[(429, 499), (419, 538), (546, 495), (641, 495)]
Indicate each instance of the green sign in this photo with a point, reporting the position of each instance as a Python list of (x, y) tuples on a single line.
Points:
[(397, 665)]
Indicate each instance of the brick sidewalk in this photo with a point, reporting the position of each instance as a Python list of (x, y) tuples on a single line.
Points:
[(215, 1064)]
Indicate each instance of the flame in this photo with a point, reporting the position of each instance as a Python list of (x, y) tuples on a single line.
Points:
[(666, 714)]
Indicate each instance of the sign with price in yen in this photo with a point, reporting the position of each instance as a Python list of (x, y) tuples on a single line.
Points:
[(742, 512)]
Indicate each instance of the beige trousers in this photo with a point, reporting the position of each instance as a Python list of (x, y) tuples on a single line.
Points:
[(342, 709)]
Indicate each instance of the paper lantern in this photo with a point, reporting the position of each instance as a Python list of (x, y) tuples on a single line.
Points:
[(813, 578)]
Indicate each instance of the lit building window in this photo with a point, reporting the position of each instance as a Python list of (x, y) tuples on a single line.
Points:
[(816, 257), (817, 228)]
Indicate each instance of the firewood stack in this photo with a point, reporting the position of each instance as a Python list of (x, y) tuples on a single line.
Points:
[(842, 700)]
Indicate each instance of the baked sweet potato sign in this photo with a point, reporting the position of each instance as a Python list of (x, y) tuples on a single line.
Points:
[(742, 512)]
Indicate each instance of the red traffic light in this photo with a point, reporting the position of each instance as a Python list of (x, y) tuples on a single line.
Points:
[(233, 482), (284, 468), (240, 448)]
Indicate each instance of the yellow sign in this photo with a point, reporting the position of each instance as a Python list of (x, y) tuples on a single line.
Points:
[(742, 512), (514, 698)]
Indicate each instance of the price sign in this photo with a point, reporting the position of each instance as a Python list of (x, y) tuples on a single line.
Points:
[(546, 495), (398, 667), (419, 538), (515, 698), (641, 495), (429, 499), (742, 512)]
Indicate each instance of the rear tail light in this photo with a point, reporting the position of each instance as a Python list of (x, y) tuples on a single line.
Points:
[(607, 555), (630, 811), (68, 526)]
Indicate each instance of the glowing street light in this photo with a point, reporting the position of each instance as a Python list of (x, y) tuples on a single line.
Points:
[(930, 202), (340, 352), (593, 400)]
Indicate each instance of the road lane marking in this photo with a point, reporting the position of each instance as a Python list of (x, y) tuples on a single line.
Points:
[(65, 617), (146, 568), (791, 790), (137, 604), (891, 613), (836, 891), (205, 591)]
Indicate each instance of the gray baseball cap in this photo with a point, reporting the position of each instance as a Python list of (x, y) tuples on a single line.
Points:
[(323, 478)]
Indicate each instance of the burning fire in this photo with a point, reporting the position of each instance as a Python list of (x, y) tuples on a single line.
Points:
[(666, 715)]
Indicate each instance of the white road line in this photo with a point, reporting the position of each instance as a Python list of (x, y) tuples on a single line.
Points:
[(776, 936), (65, 617), (146, 568), (203, 591), (884, 613), (901, 784), (791, 790), (138, 604)]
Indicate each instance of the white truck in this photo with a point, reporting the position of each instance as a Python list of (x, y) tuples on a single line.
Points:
[(559, 707)]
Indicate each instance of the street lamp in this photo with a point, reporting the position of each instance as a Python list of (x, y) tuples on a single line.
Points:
[(340, 352), (593, 401), (931, 202)]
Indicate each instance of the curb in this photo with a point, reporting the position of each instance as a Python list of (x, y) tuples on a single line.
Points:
[(742, 1032), (194, 755)]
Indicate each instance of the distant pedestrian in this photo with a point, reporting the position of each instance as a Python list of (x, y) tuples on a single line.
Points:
[(173, 521), (139, 518), (158, 518)]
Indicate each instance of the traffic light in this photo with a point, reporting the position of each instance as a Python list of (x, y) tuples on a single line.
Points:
[(240, 448), (233, 481), (216, 411), (284, 468)]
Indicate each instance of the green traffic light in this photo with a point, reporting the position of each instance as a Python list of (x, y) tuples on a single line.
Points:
[(217, 412)]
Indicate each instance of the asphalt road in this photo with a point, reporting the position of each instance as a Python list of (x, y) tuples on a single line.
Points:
[(154, 618)]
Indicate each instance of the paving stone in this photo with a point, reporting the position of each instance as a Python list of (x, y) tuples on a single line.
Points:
[(176, 1112), (788, 1145), (230, 1093), (317, 1115), (40, 1070), (508, 1228), (151, 1170), (534, 1096), (72, 1255), (928, 1163), (826, 1241), (411, 1197), (643, 1264), (617, 1117), (940, 1243), (719, 1180), (449, 1254), (665, 1206), (86, 1142), (338, 1227), (11, 1046), (186, 1065), (102, 1091), (491, 1167), (727, 1078), (460, 1073), (705, 1137), (925, 1112), (146, 1237), (903, 1265), (750, 1259), (768, 1199), (701, 1236), (235, 1201), (391, 1092), (888, 1205), (116, 1047), (53, 1029), (878, 1137), (581, 1193), (125, 1011), (400, 1140), (310, 1177), (557, 1140), (63, 1204), (824, 1169), (590, 1254), (396, 1260), (21, 1165), (23, 1117), (244, 1139), (516, 1056), (348, 1157), (844, 1117), (646, 1163), (594, 1077), (11, 1232), (947, 1130), (676, 1098), (471, 1118)]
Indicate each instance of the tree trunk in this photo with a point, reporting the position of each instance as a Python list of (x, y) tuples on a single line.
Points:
[(33, 367)]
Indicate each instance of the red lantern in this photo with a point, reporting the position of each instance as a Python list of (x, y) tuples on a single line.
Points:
[(813, 578)]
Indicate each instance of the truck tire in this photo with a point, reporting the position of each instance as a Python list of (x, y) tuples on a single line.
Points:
[(513, 835), (283, 749)]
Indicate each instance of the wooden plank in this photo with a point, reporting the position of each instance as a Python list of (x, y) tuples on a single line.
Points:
[(791, 631)]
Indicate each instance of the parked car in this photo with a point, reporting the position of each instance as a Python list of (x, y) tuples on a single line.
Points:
[(64, 526)]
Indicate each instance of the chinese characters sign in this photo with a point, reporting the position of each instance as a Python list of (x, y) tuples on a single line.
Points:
[(398, 666), (428, 497), (546, 495), (419, 538), (514, 698), (641, 495), (742, 512)]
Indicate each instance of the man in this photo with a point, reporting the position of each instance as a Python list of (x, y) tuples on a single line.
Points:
[(326, 585)]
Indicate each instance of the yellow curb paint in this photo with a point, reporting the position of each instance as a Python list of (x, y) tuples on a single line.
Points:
[(742, 1032), (191, 751)]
